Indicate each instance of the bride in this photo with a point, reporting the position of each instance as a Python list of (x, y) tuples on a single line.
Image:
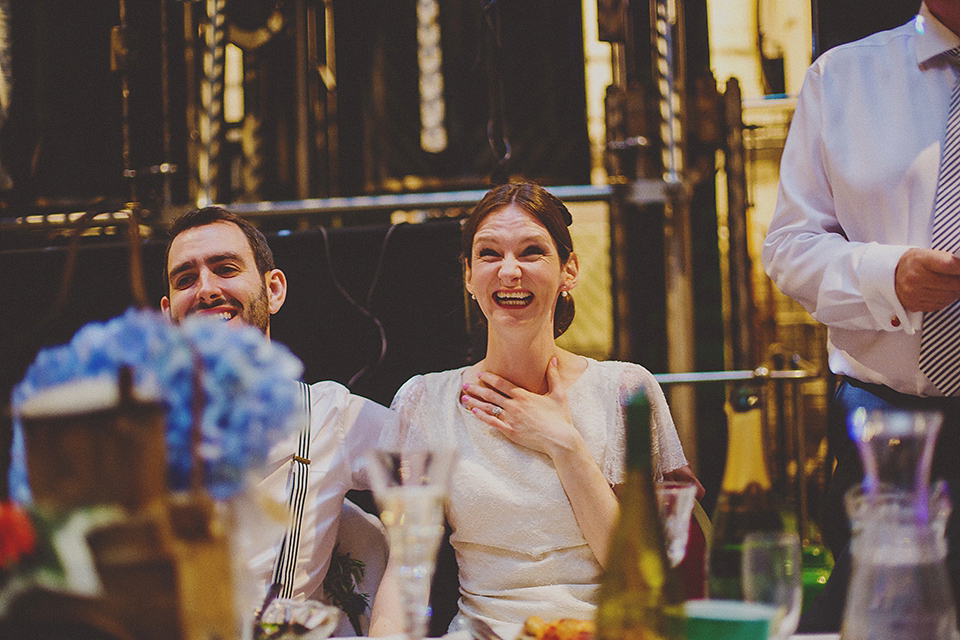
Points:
[(539, 430)]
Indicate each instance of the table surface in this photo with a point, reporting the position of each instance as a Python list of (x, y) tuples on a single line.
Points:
[(464, 635), (509, 632)]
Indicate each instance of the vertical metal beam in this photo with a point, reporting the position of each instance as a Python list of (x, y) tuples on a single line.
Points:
[(619, 276), (211, 104), (190, 95), (302, 157), (667, 34), (620, 172), (328, 119), (800, 446), (740, 285), (6, 84), (120, 63), (166, 165)]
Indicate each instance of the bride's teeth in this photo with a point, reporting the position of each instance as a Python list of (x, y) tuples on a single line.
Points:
[(513, 297)]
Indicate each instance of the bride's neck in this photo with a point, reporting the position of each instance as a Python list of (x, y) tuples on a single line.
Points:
[(521, 361)]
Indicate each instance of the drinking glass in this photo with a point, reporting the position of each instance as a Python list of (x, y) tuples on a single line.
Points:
[(771, 571), (411, 488), (675, 504)]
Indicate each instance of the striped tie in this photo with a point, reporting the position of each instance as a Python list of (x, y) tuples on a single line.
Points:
[(940, 339)]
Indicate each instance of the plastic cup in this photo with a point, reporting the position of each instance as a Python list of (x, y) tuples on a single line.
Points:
[(675, 502)]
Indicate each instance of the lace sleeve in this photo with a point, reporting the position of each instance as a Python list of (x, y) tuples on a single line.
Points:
[(667, 451), (409, 405)]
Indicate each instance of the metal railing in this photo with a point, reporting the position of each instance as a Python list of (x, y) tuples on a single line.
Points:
[(760, 374), (404, 201)]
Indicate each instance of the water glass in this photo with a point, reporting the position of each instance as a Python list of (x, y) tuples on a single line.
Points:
[(771, 570), (675, 502), (411, 488)]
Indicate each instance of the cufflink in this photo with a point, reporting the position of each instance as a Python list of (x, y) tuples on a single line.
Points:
[(895, 321)]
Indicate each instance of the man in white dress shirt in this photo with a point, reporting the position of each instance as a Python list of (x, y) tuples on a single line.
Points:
[(851, 236), (219, 264)]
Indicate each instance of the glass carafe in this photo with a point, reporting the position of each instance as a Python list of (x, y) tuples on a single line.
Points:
[(899, 587)]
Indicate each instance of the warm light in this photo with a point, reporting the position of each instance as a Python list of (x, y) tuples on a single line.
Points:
[(433, 134), (233, 84)]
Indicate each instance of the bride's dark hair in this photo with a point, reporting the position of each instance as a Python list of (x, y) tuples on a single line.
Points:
[(546, 208)]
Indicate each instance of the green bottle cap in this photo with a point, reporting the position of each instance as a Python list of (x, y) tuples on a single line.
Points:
[(744, 399)]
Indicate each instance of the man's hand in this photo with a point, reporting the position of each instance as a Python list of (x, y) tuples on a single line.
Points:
[(927, 279), (685, 474)]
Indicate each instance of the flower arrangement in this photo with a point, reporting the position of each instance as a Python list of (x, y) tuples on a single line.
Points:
[(249, 396), (27, 553), (18, 540)]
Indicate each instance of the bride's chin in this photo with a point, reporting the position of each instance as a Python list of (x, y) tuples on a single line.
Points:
[(511, 322)]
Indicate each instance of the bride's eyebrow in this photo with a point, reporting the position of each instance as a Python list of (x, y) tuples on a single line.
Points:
[(535, 240)]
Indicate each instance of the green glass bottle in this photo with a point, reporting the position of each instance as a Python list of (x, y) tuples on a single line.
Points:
[(640, 596), (746, 501)]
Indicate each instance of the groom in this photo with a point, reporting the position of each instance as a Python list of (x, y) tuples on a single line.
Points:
[(218, 264)]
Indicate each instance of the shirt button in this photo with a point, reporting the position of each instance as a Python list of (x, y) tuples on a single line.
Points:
[(895, 321)]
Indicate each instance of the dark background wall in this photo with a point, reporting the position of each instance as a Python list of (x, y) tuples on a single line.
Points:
[(404, 279), (344, 285), (839, 21)]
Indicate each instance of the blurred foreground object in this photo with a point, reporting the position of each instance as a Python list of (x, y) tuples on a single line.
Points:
[(157, 428), (899, 587), (640, 596)]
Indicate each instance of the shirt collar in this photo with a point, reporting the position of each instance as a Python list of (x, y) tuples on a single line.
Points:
[(933, 38)]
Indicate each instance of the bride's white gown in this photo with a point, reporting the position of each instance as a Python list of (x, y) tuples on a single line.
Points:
[(519, 549)]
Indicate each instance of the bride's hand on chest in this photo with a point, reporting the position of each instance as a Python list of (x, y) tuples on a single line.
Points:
[(540, 422)]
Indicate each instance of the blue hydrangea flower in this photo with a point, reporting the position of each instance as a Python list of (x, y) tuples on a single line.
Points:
[(250, 399)]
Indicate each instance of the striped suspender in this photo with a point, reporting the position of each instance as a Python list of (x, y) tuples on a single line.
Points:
[(285, 568)]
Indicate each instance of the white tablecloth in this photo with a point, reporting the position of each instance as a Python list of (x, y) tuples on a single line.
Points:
[(510, 632)]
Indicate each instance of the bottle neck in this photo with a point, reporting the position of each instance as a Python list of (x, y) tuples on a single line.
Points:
[(639, 450), (746, 466)]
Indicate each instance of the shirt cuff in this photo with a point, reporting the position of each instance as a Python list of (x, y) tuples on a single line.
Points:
[(877, 272)]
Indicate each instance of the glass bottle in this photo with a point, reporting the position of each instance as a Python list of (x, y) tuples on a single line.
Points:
[(746, 501), (640, 597)]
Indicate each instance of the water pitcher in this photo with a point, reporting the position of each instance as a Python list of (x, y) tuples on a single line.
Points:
[(899, 587)]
